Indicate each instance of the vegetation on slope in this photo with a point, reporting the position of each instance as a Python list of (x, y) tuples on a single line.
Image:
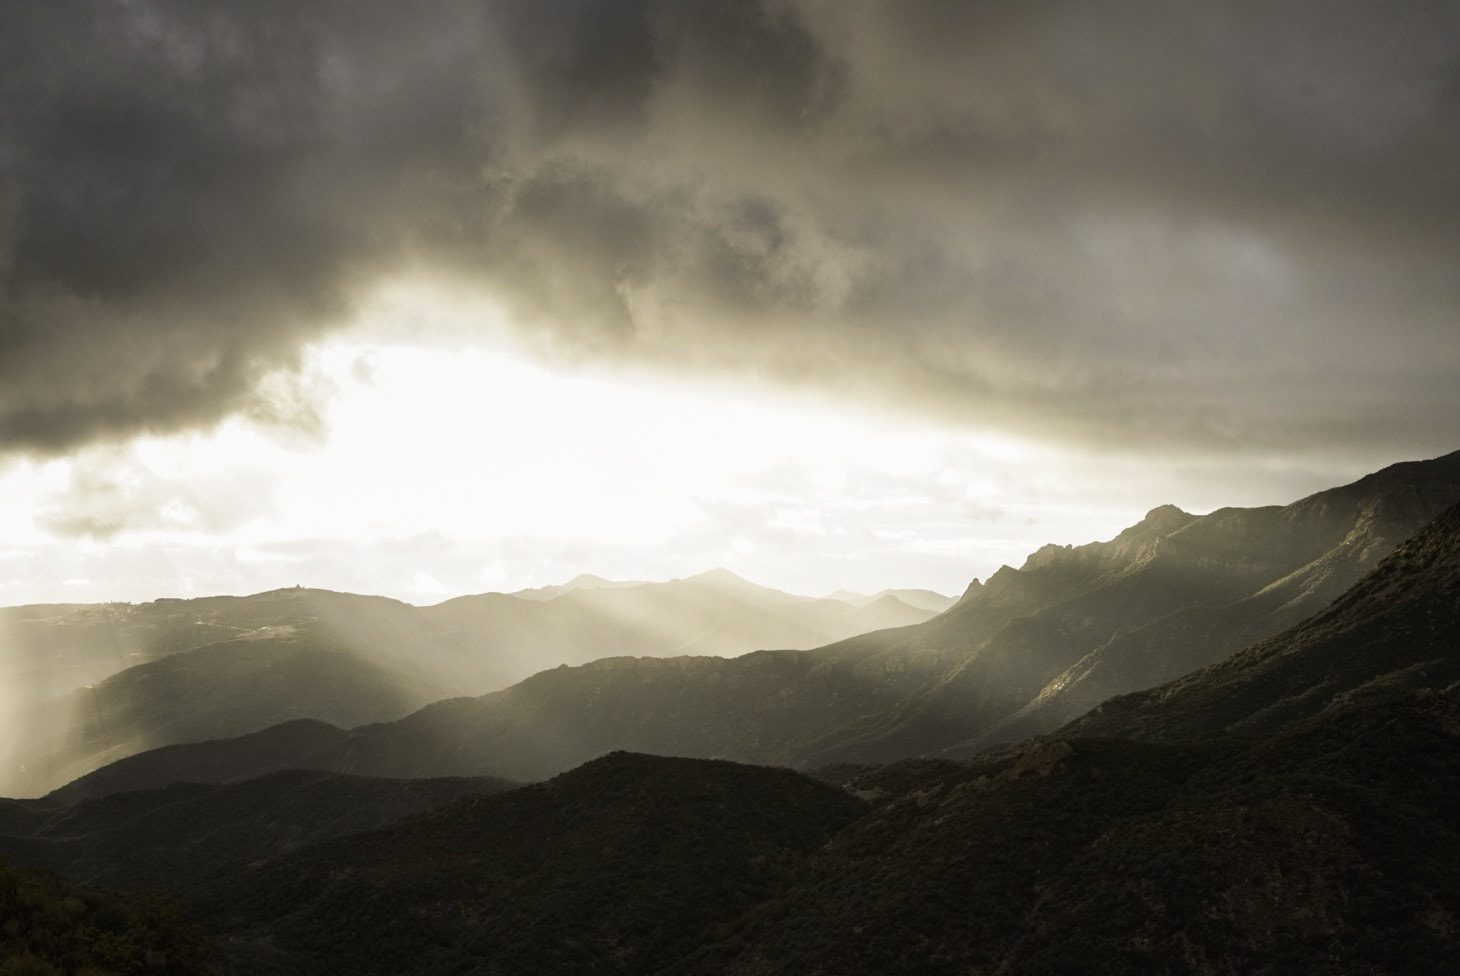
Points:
[(621, 866), (48, 928), (173, 838)]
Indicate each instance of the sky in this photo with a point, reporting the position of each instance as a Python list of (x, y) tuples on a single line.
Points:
[(466, 295)]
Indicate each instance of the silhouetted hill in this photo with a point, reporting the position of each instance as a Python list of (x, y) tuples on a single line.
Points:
[(301, 744), (620, 866), (769, 707), (173, 838), (1301, 854)]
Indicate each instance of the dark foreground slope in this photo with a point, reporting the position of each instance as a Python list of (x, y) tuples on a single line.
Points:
[(624, 865), (172, 839), (1020, 655), (51, 928), (1330, 849)]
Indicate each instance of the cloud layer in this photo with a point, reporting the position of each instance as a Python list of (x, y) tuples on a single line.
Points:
[(1182, 224)]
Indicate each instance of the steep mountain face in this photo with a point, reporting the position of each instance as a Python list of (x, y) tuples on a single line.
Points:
[(1033, 648), (621, 866), (1392, 633), (1350, 529), (178, 671)]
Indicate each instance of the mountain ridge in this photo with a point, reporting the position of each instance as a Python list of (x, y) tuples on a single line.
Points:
[(957, 682), (82, 664)]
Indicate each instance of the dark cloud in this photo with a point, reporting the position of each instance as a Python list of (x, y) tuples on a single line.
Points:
[(1203, 223)]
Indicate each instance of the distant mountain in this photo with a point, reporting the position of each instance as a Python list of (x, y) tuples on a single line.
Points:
[(757, 711), (583, 581), (1014, 655), (189, 670), (715, 613), (224, 689), (928, 600), (57, 648)]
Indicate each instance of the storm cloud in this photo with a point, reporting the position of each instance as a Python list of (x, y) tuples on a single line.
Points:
[(1171, 223)]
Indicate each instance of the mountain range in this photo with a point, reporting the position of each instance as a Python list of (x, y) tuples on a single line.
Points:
[(1018, 655), (1288, 808), (90, 684)]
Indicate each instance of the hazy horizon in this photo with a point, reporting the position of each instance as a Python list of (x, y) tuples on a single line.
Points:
[(478, 295)]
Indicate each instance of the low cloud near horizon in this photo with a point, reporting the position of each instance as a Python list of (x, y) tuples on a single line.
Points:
[(1203, 228)]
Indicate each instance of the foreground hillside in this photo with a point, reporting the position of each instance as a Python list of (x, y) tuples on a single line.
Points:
[(172, 839), (623, 865), (1019, 655), (52, 928)]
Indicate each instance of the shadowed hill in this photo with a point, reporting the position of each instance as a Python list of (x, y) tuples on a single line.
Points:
[(174, 838), (1297, 854), (620, 866)]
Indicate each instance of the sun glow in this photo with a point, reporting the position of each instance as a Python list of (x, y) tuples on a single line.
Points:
[(442, 466)]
